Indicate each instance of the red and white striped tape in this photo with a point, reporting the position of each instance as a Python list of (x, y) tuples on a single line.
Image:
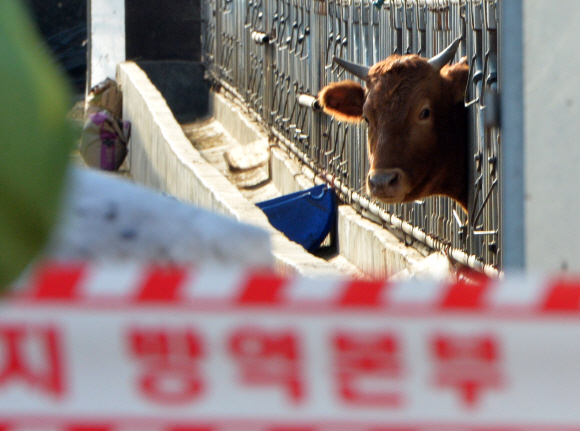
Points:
[(153, 425), (132, 283), (126, 347)]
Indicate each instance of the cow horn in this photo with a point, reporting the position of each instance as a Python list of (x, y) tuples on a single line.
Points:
[(356, 69), (445, 56)]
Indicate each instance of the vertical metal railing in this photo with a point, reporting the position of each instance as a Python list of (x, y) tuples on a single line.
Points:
[(269, 52)]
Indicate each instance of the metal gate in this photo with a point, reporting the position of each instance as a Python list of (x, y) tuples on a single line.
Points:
[(270, 53)]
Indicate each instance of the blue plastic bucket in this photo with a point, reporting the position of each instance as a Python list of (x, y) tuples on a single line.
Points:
[(305, 217)]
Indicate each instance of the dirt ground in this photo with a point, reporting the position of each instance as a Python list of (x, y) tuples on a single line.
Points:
[(212, 141)]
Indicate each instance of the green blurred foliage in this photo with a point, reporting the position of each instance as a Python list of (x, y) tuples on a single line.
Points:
[(35, 140)]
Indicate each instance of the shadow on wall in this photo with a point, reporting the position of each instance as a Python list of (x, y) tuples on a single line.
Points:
[(182, 85), (63, 25)]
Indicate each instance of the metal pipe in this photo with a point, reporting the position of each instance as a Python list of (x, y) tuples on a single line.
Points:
[(260, 38), (309, 101)]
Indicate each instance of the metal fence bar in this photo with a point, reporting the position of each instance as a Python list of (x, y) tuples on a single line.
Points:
[(269, 53)]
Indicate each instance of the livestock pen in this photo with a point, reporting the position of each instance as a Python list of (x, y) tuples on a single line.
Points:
[(273, 56)]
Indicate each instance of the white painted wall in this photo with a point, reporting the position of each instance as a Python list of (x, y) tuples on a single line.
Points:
[(107, 32), (551, 72)]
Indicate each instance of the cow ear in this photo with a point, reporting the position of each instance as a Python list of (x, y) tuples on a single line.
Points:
[(343, 100), (457, 75)]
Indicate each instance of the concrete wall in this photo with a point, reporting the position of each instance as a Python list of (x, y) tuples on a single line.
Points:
[(372, 248), (162, 158), (106, 39), (540, 128), (552, 133)]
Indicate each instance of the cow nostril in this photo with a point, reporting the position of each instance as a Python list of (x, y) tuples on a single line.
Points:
[(378, 181), (393, 180)]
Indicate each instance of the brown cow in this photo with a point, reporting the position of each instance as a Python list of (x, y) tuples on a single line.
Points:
[(417, 124)]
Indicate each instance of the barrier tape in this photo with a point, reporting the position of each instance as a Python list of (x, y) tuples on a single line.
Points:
[(126, 347)]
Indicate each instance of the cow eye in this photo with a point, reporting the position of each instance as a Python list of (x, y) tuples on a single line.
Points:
[(366, 120), (425, 113)]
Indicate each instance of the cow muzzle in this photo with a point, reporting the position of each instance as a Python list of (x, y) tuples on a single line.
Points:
[(387, 185)]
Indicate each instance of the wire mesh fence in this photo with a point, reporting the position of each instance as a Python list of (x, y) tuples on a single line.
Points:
[(270, 53)]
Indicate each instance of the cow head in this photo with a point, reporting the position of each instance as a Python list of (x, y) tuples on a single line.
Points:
[(417, 124)]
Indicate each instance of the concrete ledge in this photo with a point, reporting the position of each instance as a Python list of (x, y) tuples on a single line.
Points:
[(287, 175), (161, 157), (370, 247)]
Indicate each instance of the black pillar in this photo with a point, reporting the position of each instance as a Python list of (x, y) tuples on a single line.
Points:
[(162, 30)]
